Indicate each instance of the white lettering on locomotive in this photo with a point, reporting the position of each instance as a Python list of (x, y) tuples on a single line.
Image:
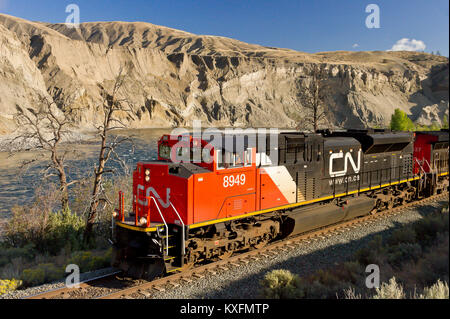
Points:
[(348, 158), (230, 181), (151, 190)]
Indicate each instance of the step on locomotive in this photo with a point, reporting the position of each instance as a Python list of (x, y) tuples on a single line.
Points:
[(204, 199)]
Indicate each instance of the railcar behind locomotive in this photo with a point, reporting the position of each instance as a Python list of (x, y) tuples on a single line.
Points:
[(248, 190)]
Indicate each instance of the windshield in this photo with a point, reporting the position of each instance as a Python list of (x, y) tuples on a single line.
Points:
[(164, 151)]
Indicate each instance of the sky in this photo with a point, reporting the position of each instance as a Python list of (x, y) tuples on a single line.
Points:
[(303, 25)]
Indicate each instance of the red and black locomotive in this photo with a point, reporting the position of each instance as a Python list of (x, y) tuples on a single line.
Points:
[(207, 198)]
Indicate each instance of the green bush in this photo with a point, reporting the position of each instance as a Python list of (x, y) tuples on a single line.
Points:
[(401, 122), (430, 226), (401, 236), (281, 284), (399, 254), (42, 273), (8, 254), (48, 232), (87, 261), (371, 253)]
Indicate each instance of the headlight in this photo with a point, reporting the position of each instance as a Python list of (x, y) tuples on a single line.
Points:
[(147, 178), (147, 172), (143, 221)]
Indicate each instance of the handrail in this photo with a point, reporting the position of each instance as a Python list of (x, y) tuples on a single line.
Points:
[(162, 217), (182, 231), (431, 169), (420, 165)]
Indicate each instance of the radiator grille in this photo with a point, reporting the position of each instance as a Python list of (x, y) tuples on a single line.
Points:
[(306, 187)]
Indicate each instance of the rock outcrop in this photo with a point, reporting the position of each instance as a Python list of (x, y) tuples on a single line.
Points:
[(177, 77)]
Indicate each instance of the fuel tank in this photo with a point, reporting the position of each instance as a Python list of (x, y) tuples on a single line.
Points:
[(309, 218)]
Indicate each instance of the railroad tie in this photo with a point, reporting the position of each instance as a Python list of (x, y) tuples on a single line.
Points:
[(199, 276), (65, 296), (186, 279), (233, 264), (158, 288), (223, 267), (145, 293)]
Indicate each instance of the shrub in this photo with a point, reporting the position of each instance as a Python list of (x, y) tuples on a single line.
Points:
[(41, 274), (87, 261), (400, 253), (401, 122), (371, 253), (350, 293), (111, 187), (402, 235), (427, 228), (281, 284), (48, 232), (9, 285), (8, 254), (438, 291), (391, 290)]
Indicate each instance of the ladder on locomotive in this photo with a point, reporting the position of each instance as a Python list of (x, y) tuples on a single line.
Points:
[(423, 177), (170, 248)]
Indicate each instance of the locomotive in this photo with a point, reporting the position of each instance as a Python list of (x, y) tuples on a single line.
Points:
[(204, 199)]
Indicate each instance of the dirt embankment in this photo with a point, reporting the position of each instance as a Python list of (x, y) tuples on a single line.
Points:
[(177, 77)]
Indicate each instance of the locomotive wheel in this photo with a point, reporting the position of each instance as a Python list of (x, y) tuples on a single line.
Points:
[(187, 266), (155, 268), (226, 255), (147, 270), (390, 204), (261, 244)]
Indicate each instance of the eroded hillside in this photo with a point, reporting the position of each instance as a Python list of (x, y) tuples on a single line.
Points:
[(178, 76)]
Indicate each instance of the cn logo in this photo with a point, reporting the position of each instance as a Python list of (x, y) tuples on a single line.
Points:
[(347, 158), (151, 190)]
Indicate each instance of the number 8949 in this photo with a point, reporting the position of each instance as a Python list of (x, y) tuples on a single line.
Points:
[(230, 181)]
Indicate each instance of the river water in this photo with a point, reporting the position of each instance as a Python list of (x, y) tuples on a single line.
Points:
[(17, 186)]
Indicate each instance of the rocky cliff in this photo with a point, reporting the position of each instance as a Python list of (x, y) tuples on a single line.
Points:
[(178, 76)]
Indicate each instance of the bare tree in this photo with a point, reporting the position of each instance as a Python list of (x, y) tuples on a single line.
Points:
[(46, 128), (311, 98), (114, 107)]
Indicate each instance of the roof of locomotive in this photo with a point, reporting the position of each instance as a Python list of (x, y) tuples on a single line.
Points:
[(340, 141), (442, 135)]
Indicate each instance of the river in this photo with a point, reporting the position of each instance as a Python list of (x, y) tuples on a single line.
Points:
[(17, 186)]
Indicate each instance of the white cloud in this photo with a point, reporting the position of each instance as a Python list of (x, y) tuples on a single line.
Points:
[(355, 45), (406, 44)]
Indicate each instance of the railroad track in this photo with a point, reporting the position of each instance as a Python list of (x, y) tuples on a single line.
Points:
[(100, 287), (270, 250), (66, 292)]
